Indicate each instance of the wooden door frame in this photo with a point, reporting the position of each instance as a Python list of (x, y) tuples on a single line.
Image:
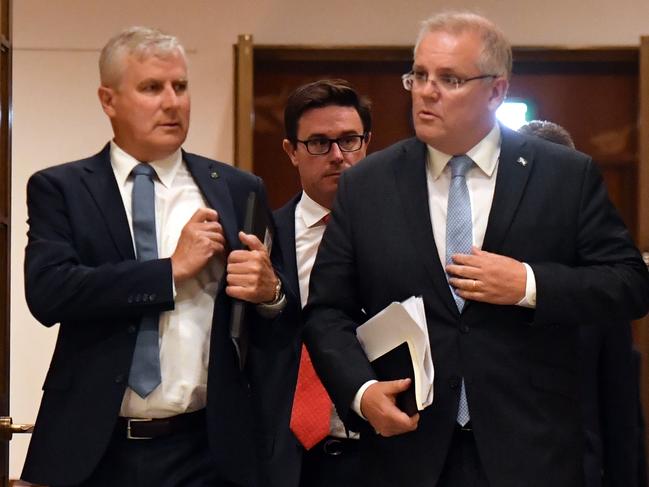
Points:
[(5, 222)]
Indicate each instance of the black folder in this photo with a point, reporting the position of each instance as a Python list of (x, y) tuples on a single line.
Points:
[(397, 364), (256, 222)]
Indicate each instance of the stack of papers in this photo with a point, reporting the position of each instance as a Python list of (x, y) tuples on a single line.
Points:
[(386, 337)]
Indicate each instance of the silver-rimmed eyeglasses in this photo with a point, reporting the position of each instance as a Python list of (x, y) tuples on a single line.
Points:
[(448, 82), (319, 146)]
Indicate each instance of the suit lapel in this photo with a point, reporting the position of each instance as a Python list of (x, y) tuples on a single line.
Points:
[(515, 165), (99, 179), (285, 223), (410, 176), (217, 193)]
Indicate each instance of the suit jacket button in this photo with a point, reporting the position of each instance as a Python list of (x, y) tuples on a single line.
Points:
[(131, 329), (152, 297), (464, 328), (138, 298), (119, 378), (145, 297), (454, 382), (129, 300)]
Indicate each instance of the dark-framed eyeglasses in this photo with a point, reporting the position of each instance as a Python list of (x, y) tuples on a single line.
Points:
[(417, 80), (319, 146)]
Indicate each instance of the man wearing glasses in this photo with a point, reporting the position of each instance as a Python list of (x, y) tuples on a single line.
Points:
[(510, 240), (327, 131)]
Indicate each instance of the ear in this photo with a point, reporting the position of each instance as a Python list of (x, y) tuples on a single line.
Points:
[(368, 138), (290, 149), (498, 93), (107, 99)]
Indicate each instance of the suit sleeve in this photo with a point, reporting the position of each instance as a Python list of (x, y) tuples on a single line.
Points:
[(60, 286), (608, 281), (334, 309)]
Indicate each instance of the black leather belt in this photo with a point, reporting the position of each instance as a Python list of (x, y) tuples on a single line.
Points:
[(149, 428), (332, 446)]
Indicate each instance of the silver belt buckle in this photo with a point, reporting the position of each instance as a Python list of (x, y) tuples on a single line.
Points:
[(128, 428)]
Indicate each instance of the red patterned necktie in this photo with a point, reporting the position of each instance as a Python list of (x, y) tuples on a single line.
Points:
[(311, 405)]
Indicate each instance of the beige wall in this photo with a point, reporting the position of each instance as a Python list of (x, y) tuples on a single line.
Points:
[(57, 116)]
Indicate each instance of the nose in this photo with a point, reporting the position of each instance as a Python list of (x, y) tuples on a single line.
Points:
[(169, 97), (335, 154), (430, 89)]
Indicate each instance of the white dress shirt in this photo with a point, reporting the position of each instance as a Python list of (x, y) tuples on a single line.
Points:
[(481, 182), (309, 229), (185, 330)]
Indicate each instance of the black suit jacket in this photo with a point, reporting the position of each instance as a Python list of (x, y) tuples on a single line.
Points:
[(609, 406), (81, 272), (276, 368), (551, 210)]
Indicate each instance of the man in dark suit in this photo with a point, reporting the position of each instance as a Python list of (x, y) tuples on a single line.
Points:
[(328, 127), (609, 385), (136, 252), (510, 240)]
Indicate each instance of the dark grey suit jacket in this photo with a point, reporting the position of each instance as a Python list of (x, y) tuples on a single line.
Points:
[(520, 365)]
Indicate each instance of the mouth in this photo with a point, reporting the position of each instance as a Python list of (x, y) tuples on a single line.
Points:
[(427, 115), (170, 125)]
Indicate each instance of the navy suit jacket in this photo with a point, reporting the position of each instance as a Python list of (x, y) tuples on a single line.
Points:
[(81, 272), (609, 406), (276, 369), (521, 367)]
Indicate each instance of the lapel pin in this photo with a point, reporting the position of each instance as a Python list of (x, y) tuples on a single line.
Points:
[(214, 175), (522, 161)]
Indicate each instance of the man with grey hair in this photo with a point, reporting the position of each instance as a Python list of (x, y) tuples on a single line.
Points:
[(511, 242), (138, 253)]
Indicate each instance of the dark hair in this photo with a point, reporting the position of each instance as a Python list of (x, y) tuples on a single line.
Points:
[(324, 93), (549, 131)]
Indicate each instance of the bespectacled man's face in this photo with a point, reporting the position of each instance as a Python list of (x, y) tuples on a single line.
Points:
[(454, 120), (149, 107), (319, 174)]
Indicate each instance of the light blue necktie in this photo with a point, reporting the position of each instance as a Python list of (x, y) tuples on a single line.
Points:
[(459, 238), (145, 368)]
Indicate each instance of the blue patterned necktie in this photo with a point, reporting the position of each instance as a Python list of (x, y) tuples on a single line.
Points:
[(459, 238), (145, 368)]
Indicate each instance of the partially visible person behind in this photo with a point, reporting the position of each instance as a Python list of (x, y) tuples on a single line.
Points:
[(549, 131), (609, 383), (328, 129), (137, 253), (511, 241)]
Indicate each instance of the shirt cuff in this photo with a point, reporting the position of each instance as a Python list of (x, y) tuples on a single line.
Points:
[(529, 301), (356, 403), (270, 311)]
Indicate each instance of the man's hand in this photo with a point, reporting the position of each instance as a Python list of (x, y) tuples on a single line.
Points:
[(200, 239), (378, 405), (490, 278), (250, 274)]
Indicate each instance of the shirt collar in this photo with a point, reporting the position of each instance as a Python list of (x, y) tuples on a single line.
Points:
[(485, 154), (311, 211), (123, 163)]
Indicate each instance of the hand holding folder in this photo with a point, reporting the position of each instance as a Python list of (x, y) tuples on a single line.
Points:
[(396, 343), (256, 223)]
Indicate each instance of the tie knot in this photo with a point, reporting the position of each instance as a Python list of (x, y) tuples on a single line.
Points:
[(143, 169), (460, 165)]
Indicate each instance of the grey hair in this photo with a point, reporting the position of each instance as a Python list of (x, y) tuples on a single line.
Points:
[(496, 55), (141, 42)]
